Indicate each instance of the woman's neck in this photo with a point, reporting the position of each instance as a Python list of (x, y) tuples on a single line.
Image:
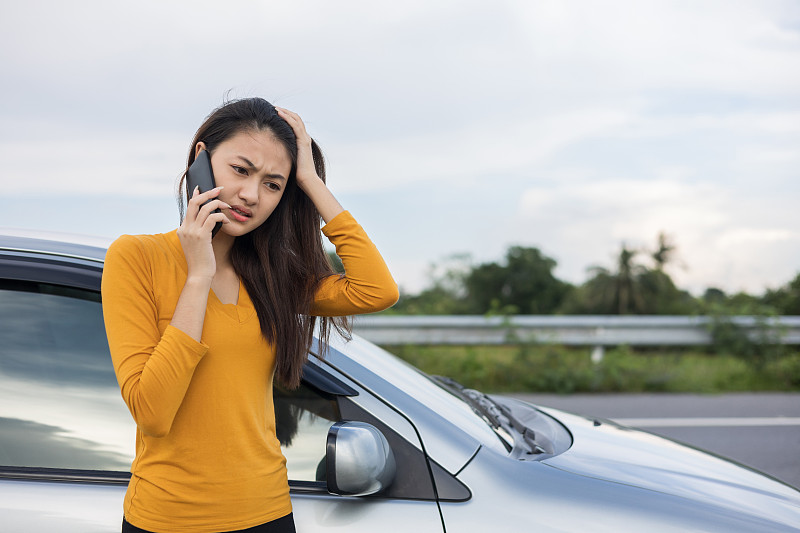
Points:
[(222, 244)]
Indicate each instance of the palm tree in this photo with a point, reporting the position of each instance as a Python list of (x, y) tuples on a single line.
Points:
[(629, 294), (617, 292), (665, 251), (632, 288)]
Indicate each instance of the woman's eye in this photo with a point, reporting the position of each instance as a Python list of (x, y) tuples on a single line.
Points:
[(273, 186), (240, 170)]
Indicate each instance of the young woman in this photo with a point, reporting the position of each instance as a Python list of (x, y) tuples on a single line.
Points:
[(198, 326)]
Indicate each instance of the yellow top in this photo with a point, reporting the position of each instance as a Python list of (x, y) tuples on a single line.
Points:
[(207, 458)]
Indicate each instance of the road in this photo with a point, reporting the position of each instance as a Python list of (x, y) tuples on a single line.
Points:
[(761, 430)]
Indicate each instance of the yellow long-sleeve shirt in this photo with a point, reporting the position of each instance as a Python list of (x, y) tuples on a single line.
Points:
[(207, 458)]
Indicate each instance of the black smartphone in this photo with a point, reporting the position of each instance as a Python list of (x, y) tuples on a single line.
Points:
[(200, 175)]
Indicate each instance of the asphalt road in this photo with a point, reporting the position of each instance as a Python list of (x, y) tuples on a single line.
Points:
[(761, 430)]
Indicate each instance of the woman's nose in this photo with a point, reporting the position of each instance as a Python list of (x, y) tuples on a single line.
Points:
[(248, 191)]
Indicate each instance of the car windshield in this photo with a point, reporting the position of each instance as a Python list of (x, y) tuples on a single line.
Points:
[(470, 398), (416, 384), (527, 437)]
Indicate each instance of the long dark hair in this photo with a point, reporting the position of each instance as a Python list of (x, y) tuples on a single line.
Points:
[(282, 262)]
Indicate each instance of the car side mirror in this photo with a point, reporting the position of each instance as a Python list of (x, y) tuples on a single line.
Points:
[(359, 460)]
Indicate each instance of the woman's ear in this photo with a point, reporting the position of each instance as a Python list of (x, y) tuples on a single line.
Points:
[(199, 147)]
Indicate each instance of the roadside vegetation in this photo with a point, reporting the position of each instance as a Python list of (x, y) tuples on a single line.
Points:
[(638, 283), (547, 368)]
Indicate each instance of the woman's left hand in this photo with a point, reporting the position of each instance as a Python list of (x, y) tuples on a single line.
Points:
[(307, 178), (305, 160)]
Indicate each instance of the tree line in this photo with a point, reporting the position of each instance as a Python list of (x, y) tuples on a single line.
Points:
[(524, 283)]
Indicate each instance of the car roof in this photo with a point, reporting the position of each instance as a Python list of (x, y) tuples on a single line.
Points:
[(54, 243)]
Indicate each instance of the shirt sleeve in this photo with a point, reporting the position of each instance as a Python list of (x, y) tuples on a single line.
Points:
[(367, 285), (153, 370)]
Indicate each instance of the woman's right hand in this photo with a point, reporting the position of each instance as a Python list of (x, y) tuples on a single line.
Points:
[(195, 232)]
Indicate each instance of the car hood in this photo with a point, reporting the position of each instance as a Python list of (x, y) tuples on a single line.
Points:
[(605, 450)]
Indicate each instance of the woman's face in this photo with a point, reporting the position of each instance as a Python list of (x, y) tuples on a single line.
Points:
[(253, 168)]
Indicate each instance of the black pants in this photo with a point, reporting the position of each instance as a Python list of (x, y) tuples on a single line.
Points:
[(281, 525)]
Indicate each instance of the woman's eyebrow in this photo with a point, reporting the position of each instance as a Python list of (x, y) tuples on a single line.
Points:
[(249, 164)]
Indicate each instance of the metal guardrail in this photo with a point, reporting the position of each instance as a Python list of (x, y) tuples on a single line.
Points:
[(596, 331)]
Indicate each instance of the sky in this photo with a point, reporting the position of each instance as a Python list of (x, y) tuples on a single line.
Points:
[(449, 127)]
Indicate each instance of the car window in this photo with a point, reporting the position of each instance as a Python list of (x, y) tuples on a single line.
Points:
[(302, 419), (59, 400)]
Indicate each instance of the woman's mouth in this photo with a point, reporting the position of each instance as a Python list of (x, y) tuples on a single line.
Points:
[(240, 213)]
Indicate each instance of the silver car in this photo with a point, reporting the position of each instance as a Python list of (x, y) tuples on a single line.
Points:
[(372, 444)]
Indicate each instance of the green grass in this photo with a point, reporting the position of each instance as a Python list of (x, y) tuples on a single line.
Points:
[(545, 368)]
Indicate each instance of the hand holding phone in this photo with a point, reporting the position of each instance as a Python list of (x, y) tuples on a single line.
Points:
[(200, 175)]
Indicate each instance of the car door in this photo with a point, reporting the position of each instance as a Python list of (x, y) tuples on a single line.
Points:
[(66, 437), (303, 417)]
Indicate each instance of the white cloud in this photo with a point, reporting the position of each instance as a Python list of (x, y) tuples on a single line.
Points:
[(465, 155), (604, 121), (622, 45), (143, 166), (716, 229)]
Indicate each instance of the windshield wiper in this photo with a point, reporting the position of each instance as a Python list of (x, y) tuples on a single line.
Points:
[(499, 417)]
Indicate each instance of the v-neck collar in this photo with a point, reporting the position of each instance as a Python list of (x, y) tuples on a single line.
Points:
[(241, 311)]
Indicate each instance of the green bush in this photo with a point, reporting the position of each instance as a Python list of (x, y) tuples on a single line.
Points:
[(530, 367), (758, 348)]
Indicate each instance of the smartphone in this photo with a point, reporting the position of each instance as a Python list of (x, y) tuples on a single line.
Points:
[(200, 175)]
